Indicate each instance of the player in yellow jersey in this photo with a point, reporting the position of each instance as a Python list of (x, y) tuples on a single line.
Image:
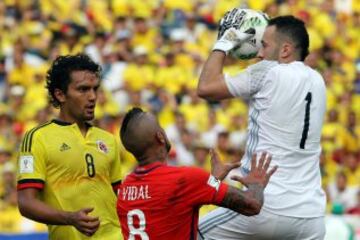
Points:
[(67, 168)]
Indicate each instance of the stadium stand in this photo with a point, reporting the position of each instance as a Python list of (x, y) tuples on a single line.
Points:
[(151, 52)]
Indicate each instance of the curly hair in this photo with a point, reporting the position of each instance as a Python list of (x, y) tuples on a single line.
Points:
[(58, 76)]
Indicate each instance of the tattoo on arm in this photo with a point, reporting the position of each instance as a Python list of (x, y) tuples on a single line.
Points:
[(245, 202)]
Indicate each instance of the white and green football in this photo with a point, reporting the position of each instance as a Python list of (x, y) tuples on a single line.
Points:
[(257, 21)]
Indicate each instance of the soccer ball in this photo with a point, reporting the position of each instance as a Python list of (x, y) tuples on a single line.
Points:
[(251, 19)]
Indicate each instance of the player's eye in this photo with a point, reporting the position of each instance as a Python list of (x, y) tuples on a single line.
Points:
[(83, 89)]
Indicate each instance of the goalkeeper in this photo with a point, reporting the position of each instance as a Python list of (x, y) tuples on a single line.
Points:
[(286, 110)]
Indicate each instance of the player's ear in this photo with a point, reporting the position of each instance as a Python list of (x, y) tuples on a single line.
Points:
[(59, 95), (286, 50), (160, 137)]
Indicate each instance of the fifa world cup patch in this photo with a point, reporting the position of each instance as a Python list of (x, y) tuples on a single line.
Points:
[(26, 164), (102, 146), (213, 182)]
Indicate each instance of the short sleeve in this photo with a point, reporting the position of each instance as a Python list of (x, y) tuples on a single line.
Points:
[(257, 73), (239, 85), (31, 164), (115, 171), (249, 82), (202, 188)]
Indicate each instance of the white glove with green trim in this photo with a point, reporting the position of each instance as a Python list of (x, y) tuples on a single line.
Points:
[(232, 38)]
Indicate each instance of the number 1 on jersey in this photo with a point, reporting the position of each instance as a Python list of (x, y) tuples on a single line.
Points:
[(305, 132)]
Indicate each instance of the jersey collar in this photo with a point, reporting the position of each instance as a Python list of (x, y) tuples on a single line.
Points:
[(63, 123), (148, 167)]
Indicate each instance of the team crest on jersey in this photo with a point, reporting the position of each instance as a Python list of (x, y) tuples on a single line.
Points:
[(102, 147)]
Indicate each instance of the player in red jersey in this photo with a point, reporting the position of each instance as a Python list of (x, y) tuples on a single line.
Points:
[(162, 202)]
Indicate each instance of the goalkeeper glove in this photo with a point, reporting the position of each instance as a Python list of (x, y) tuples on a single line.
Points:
[(232, 38), (231, 19)]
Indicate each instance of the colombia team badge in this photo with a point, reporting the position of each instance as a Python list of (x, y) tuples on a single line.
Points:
[(102, 147)]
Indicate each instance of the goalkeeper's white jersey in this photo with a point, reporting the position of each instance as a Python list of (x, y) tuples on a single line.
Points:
[(286, 110)]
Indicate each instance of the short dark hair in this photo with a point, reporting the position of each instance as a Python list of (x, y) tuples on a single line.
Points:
[(58, 76), (294, 29), (134, 112)]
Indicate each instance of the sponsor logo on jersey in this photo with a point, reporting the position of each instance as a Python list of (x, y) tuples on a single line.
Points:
[(64, 147), (102, 147)]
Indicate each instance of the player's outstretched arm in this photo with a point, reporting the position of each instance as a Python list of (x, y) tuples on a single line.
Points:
[(211, 84), (31, 207), (249, 202)]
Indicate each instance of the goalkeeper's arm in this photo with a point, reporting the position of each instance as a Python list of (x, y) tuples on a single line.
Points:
[(212, 84)]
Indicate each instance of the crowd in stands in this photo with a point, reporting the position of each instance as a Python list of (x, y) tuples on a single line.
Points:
[(151, 53)]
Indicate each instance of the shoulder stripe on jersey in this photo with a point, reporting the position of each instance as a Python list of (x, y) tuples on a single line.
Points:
[(23, 142), (28, 139), (253, 137)]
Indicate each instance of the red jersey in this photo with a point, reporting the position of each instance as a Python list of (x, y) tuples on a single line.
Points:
[(162, 202)]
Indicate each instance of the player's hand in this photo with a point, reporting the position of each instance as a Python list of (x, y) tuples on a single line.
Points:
[(218, 169), (231, 19), (232, 38), (84, 223), (259, 173)]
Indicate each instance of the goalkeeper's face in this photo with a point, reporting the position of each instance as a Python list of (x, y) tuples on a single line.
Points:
[(270, 47)]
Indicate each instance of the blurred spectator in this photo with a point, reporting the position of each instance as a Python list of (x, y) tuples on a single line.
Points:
[(356, 209), (143, 35), (223, 146), (201, 155), (341, 193), (70, 40), (5, 165), (174, 130), (352, 168), (3, 82), (163, 104), (172, 76), (22, 73), (331, 142), (139, 74), (336, 227), (184, 149), (238, 132), (18, 56), (210, 135), (151, 53), (194, 109), (11, 220), (96, 49)]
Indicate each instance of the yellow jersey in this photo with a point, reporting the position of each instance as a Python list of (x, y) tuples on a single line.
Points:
[(73, 172)]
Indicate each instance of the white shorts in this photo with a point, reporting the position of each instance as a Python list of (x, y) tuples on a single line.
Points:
[(226, 224)]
